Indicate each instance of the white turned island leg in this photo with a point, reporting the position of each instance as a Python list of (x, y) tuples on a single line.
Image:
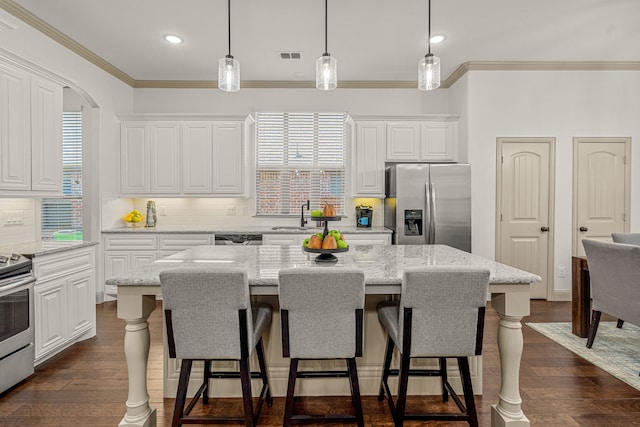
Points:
[(135, 310), (511, 308)]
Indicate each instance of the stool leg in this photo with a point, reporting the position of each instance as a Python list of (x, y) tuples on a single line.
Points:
[(245, 379), (263, 371), (205, 393), (620, 323), (355, 390), (385, 370), (443, 376), (467, 387), (181, 395), (403, 382), (593, 328), (288, 407)]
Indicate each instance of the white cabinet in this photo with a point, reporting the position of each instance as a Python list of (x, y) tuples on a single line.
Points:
[(213, 158), (354, 239), (284, 239), (30, 134), (64, 295), (403, 141), (46, 136), (150, 158), (228, 158), (368, 159), (15, 131), (128, 252), (421, 141)]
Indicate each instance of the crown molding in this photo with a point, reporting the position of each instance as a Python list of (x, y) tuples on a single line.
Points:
[(40, 25), (66, 41)]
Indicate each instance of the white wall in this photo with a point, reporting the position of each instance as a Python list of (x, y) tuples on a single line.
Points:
[(11, 234), (560, 104)]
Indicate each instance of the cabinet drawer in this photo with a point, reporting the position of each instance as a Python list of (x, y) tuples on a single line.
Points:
[(130, 242), (54, 265), (180, 242), (368, 239)]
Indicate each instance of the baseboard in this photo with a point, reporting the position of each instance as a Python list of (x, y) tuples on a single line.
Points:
[(561, 295)]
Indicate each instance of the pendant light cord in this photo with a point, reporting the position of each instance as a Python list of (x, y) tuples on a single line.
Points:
[(325, 28), (229, 24), (429, 30)]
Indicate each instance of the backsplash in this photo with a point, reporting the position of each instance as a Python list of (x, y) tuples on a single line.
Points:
[(218, 211), (17, 221)]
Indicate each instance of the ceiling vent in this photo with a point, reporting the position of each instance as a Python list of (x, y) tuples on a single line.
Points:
[(289, 55)]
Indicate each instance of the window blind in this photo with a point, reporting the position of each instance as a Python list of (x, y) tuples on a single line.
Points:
[(299, 157), (62, 217)]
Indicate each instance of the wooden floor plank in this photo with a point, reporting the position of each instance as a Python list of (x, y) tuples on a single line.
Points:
[(87, 384)]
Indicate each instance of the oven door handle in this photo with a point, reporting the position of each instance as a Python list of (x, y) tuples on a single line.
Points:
[(17, 284)]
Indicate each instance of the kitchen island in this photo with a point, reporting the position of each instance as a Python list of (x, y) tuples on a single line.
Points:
[(383, 267)]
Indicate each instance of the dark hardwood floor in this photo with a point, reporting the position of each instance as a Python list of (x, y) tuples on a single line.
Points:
[(86, 385)]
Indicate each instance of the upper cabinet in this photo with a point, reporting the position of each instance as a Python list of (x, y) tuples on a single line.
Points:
[(30, 134), (191, 158), (368, 158), (421, 141)]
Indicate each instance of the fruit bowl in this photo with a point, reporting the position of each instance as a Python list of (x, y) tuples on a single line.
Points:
[(134, 224), (326, 255)]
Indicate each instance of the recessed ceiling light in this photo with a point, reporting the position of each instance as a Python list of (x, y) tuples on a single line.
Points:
[(437, 38), (173, 39)]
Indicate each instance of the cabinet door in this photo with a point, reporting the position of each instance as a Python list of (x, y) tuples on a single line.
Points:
[(197, 157), (134, 158), (369, 156), (164, 142), (284, 239), (15, 138), (51, 317), (439, 140), (81, 295), (403, 141), (46, 136), (228, 158), (140, 259), (367, 239)]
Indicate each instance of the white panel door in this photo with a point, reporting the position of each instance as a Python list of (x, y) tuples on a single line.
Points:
[(369, 157), (601, 189), (165, 157), (134, 158), (46, 136), (15, 138), (50, 316), (228, 158), (524, 217), (403, 141), (197, 157)]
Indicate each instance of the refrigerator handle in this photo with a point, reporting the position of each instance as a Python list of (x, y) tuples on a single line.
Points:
[(432, 231), (426, 226)]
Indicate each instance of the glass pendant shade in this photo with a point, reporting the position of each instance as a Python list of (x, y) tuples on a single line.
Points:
[(326, 72), (228, 74), (429, 72)]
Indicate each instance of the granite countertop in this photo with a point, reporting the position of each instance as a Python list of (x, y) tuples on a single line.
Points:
[(241, 229), (45, 247), (382, 264)]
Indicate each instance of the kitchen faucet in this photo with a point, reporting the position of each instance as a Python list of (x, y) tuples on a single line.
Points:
[(302, 220)]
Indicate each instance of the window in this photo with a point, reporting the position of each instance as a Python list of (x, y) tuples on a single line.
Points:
[(299, 157), (62, 218)]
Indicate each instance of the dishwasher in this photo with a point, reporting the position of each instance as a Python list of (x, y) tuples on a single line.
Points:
[(239, 239)]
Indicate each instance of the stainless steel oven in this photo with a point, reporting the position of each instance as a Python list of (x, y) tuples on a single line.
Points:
[(17, 334)]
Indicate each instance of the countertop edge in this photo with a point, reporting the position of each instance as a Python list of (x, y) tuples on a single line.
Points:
[(36, 249)]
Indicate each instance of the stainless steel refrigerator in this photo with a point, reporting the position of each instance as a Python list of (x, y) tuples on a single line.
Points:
[(429, 204)]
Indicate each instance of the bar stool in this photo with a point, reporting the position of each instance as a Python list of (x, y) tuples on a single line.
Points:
[(321, 314), (440, 314), (209, 317)]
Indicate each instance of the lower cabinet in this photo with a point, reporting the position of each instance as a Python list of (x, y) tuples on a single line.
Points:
[(128, 252), (283, 239), (65, 306)]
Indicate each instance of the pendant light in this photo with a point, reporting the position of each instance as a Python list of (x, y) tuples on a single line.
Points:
[(429, 66), (228, 67), (326, 65)]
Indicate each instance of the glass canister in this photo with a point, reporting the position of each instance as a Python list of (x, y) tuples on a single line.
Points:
[(152, 220)]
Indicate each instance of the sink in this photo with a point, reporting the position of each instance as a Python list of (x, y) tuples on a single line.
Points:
[(282, 228)]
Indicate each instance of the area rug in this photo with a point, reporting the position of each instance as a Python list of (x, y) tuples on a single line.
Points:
[(617, 351)]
